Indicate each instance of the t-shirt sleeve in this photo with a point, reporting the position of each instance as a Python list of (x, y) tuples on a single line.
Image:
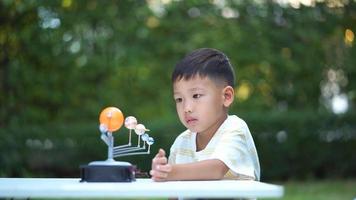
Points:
[(173, 152), (232, 149), (172, 156)]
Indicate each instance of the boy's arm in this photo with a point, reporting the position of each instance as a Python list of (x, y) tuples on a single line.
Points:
[(203, 170), (213, 169)]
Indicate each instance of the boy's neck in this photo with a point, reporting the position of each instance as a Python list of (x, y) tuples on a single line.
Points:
[(203, 139)]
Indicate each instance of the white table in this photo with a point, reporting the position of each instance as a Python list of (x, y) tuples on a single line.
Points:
[(141, 188)]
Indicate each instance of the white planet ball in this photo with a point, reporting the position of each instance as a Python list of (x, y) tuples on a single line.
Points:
[(140, 129), (145, 137), (103, 128), (130, 122), (150, 141)]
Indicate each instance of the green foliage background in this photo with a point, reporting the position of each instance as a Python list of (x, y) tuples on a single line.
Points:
[(62, 62)]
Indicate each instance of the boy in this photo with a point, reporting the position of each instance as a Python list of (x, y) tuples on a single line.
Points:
[(215, 146)]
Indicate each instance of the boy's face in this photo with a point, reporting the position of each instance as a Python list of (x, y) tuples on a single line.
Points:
[(201, 103)]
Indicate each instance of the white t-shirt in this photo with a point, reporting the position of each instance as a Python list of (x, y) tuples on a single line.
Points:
[(232, 144)]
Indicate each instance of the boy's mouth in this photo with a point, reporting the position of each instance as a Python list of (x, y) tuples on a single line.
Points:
[(191, 120)]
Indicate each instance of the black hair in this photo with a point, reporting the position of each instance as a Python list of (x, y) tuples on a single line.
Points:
[(205, 62)]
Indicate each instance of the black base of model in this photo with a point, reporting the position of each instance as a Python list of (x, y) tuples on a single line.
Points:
[(107, 173)]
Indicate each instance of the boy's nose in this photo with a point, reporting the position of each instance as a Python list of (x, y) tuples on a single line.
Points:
[(188, 107)]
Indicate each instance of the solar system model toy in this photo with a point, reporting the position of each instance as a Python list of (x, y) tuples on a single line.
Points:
[(111, 119)]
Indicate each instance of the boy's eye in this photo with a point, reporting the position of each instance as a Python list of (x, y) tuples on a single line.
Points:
[(178, 100), (196, 96)]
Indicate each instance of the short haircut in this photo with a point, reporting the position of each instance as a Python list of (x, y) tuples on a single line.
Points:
[(205, 62)]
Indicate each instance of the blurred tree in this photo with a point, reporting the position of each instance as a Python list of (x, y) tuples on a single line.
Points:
[(63, 61)]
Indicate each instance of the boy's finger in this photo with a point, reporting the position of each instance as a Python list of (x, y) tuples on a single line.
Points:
[(161, 152), (158, 175), (159, 160), (164, 168), (158, 179)]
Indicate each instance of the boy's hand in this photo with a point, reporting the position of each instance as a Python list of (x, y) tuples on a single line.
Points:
[(160, 167)]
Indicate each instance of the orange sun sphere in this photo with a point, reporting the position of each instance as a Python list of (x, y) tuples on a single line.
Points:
[(112, 117)]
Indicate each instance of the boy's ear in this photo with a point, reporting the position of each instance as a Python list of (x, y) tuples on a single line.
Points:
[(228, 96)]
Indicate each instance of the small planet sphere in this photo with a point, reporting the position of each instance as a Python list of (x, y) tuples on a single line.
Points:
[(130, 122), (150, 141), (103, 128), (145, 137), (140, 129)]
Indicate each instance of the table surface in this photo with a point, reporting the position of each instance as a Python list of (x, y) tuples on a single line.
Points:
[(141, 188)]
